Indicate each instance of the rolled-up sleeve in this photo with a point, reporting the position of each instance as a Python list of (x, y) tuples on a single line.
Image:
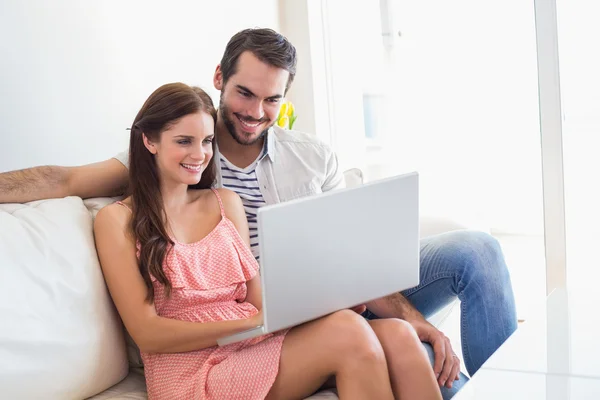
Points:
[(334, 178), (123, 157)]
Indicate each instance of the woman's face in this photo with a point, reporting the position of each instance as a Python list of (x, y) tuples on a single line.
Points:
[(185, 149)]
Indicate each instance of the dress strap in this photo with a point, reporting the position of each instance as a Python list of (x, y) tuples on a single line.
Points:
[(220, 202), (124, 205)]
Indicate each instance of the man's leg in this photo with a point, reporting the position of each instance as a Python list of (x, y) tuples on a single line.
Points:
[(468, 265)]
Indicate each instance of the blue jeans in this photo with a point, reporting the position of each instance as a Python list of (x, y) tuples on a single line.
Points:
[(470, 266)]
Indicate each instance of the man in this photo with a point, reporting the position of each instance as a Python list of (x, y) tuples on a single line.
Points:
[(267, 165)]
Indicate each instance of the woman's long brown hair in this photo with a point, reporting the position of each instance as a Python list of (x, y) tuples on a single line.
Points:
[(167, 105)]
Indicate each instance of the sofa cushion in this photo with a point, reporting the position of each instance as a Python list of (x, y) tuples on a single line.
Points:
[(95, 204), (133, 352), (134, 388), (60, 335), (131, 388)]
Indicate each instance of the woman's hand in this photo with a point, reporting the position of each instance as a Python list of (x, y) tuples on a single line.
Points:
[(256, 319)]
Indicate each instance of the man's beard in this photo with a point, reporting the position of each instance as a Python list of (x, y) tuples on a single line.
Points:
[(231, 126)]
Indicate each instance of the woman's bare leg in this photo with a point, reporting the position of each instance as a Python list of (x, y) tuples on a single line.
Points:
[(411, 374), (342, 345)]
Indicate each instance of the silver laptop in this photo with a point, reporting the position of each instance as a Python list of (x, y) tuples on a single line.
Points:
[(331, 251)]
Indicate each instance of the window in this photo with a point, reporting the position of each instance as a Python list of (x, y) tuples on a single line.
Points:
[(448, 89)]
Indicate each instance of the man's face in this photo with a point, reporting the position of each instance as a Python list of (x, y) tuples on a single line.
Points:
[(251, 98)]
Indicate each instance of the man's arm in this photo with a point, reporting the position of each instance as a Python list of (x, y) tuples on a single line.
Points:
[(395, 306), (103, 179)]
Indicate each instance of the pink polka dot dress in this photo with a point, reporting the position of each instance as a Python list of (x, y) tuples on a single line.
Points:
[(209, 284)]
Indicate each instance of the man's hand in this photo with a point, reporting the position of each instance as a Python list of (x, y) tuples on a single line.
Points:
[(447, 364), (359, 309)]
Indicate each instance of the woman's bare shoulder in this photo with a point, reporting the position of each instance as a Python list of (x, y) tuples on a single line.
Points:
[(114, 217), (229, 198)]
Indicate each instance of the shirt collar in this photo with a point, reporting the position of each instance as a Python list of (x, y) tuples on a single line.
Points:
[(270, 144), (268, 147)]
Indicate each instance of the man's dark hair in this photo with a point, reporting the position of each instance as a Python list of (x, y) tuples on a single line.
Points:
[(267, 45)]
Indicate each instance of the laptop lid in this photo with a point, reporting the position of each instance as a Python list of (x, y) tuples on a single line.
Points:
[(335, 250)]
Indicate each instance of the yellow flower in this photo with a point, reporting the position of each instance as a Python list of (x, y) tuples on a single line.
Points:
[(283, 122), (283, 111), (287, 115)]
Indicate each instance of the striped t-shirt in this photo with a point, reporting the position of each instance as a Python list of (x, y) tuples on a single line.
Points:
[(244, 183)]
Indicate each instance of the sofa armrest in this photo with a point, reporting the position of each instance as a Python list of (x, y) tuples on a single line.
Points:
[(353, 177)]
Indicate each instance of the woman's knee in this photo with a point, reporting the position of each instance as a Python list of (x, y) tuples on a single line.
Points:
[(352, 336), (397, 336)]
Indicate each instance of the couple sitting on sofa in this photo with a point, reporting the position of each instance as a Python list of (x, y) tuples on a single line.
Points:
[(177, 254)]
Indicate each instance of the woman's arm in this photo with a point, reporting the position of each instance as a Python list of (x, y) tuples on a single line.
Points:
[(234, 210), (152, 333)]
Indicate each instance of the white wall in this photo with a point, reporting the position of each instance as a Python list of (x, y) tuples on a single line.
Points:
[(327, 72), (73, 74), (293, 22), (301, 21)]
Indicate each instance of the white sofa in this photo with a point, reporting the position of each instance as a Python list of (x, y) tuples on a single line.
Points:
[(60, 335)]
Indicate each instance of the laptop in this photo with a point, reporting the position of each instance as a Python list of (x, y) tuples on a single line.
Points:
[(336, 250)]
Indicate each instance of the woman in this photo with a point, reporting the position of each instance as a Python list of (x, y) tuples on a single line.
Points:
[(176, 258)]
